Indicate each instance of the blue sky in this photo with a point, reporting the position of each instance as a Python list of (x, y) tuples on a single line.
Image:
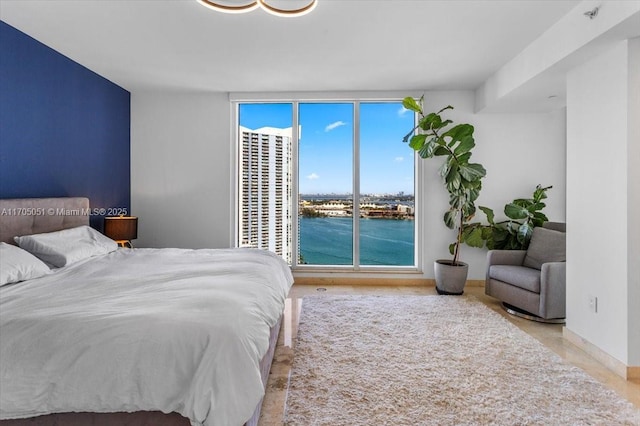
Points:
[(326, 144)]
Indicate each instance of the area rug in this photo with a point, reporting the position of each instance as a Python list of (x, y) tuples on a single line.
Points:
[(434, 360)]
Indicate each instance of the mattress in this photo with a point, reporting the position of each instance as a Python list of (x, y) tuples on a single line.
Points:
[(169, 330)]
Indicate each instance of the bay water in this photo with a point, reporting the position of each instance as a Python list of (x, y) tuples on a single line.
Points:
[(329, 241)]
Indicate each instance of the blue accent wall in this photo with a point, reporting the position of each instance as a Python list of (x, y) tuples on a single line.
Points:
[(64, 130)]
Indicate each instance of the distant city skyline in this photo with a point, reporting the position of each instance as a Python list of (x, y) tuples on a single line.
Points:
[(326, 145), (349, 196)]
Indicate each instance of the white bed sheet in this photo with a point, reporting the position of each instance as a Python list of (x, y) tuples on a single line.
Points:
[(143, 330)]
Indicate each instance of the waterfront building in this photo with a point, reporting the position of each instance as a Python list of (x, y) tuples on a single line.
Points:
[(265, 190)]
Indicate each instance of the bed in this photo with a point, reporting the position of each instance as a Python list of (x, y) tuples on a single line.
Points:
[(135, 336)]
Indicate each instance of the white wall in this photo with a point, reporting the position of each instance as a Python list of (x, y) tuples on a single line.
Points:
[(633, 194), (180, 167), (181, 184), (598, 184), (519, 151)]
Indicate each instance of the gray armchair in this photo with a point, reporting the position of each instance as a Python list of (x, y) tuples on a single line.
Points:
[(531, 283)]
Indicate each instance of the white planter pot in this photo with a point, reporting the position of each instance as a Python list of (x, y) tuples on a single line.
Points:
[(450, 279)]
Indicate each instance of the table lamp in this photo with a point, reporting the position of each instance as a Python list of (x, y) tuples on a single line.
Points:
[(121, 229)]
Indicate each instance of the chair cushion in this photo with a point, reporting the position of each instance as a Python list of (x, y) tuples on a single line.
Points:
[(518, 276), (546, 245)]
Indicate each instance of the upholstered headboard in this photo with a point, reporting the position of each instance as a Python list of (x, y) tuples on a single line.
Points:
[(25, 216)]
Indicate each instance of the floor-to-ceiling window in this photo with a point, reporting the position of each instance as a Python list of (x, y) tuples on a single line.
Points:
[(387, 204), (338, 192), (325, 183)]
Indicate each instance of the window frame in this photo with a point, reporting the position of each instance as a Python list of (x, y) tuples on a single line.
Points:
[(356, 98)]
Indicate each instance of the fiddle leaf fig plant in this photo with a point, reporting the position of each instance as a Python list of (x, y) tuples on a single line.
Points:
[(434, 136), (514, 233)]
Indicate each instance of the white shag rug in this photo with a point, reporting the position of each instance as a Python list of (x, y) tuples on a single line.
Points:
[(434, 360)]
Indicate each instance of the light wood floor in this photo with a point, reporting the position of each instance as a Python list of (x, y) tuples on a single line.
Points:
[(548, 334)]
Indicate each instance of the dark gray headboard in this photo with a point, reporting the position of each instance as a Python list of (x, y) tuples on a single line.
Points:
[(25, 216)]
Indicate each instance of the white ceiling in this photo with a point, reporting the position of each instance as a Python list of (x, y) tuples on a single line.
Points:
[(342, 45)]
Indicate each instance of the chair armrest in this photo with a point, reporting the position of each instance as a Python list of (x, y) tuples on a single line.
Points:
[(553, 272), (505, 257), (553, 289)]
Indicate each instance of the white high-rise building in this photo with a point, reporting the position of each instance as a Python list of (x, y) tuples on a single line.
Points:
[(265, 190)]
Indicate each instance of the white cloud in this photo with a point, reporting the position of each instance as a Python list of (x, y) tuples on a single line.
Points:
[(398, 159), (334, 125), (313, 176), (402, 111)]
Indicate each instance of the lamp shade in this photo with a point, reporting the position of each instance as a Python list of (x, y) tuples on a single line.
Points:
[(121, 228)]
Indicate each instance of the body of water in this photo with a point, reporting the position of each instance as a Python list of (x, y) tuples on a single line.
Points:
[(329, 241)]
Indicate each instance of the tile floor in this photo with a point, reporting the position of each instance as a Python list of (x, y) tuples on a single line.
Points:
[(549, 334)]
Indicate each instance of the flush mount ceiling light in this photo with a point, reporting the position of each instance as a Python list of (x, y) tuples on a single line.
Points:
[(284, 8)]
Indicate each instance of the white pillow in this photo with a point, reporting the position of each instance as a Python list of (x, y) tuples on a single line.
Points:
[(68, 246), (17, 265)]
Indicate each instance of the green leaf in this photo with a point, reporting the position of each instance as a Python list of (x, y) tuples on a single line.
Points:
[(539, 219), (469, 211), (524, 234), (424, 123), (417, 141), (450, 219), (435, 121), (411, 104), (535, 206), (500, 238), (427, 149), (468, 228), (478, 168), (440, 150), (472, 172), (430, 121), (513, 211), (464, 158), (540, 193), (522, 202), (452, 248), (443, 170), (460, 131), (454, 180), (474, 239), (466, 144), (452, 173), (489, 213), (487, 232)]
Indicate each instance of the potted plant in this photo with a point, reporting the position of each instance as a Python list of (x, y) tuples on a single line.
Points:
[(514, 233), (435, 137)]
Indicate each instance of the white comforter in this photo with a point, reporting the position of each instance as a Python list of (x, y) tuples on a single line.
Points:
[(142, 330)]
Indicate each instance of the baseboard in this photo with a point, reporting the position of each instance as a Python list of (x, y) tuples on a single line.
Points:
[(358, 281), (613, 364)]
